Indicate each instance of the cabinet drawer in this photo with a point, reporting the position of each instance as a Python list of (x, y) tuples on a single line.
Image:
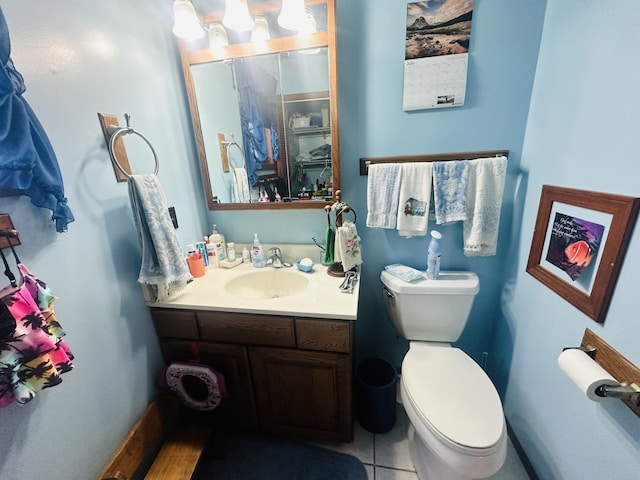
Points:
[(175, 323), (326, 335), (246, 329)]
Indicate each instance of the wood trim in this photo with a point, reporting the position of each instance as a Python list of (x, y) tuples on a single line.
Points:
[(613, 362)]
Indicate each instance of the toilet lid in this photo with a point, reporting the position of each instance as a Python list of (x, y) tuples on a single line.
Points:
[(453, 396)]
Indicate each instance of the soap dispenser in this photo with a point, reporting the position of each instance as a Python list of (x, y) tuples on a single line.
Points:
[(257, 253), (216, 240), (433, 256)]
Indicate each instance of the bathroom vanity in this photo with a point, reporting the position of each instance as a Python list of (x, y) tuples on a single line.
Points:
[(283, 340)]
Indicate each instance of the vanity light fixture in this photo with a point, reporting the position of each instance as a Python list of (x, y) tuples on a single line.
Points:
[(293, 14), (186, 23), (236, 16), (260, 31), (217, 36)]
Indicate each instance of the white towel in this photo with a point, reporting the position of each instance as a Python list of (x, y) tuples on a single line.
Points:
[(240, 186), (164, 271), (383, 187), (484, 201), (347, 246), (414, 198), (450, 190)]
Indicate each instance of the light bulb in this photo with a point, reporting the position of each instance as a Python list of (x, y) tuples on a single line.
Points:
[(217, 36), (260, 31), (293, 14), (236, 16), (186, 23)]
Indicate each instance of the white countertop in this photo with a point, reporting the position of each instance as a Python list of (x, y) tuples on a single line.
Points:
[(320, 299)]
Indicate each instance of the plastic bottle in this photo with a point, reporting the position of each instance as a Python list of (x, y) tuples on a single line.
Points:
[(246, 256), (257, 253), (231, 252), (216, 239), (433, 256)]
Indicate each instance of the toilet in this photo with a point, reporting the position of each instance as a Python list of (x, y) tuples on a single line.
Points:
[(457, 428)]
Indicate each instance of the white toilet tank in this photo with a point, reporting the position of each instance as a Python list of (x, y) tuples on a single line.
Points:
[(430, 310)]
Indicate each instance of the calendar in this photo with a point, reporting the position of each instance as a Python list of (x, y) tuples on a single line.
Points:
[(436, 54), (435, 82)]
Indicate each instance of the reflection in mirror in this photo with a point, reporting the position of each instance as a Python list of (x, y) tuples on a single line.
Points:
[(263, 112)]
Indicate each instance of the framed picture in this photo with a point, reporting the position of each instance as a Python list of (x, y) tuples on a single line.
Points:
[(579, 242)]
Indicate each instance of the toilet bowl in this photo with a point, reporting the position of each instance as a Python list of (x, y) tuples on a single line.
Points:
[(457, 430), (457, 423)]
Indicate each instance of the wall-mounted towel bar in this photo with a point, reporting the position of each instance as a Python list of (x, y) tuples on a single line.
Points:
[(436, 157)]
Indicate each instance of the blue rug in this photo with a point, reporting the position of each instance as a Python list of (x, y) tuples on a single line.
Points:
[(258, 457)]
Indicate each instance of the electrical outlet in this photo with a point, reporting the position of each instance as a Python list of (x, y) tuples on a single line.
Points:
[(172, 214)]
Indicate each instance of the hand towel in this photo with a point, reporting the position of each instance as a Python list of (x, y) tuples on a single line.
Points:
[(329, 247), (240, 186), (383, 187), (414, 197), (164, 271), (347, 246), (450, 190), (484, 202)]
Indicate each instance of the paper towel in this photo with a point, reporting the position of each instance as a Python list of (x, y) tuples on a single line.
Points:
[(585, 372)]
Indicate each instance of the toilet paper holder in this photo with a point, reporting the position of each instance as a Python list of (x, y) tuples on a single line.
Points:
[(618, 366)]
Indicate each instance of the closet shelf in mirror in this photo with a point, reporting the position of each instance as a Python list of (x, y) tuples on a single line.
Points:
[(311, 131)]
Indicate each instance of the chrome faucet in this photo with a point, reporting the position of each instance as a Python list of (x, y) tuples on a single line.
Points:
[(275, 258)]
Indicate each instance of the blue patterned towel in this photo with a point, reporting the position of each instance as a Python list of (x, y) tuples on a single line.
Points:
[(164, 270), (450, 190), (383, 189)]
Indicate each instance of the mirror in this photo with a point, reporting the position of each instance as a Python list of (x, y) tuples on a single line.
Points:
[(264, 112)]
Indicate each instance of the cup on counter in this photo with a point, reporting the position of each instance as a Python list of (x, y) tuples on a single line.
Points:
[(196, 265)]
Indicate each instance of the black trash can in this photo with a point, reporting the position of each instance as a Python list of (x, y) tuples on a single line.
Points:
[(375, 404)]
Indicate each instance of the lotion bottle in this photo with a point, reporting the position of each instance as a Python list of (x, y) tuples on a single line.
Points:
[(216, 240), (257, 253), (433, 256)]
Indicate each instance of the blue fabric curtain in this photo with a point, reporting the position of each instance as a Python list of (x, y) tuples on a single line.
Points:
[(28, 164), (257, 98)]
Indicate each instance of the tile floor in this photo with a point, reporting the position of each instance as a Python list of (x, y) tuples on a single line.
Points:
[(386, 456)]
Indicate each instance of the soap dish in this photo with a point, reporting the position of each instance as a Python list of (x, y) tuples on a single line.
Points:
[(302, 267), (228, 264)]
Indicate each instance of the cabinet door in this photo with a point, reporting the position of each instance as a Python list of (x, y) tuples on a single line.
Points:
[(232, 362), (303, 393)]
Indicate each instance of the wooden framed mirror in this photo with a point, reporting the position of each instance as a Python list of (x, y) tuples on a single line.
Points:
[(264, 112)]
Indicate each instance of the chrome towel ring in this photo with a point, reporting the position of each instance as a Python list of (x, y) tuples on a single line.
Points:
[(117, 132)]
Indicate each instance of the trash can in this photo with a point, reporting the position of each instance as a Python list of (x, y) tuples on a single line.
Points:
[(376, 381)]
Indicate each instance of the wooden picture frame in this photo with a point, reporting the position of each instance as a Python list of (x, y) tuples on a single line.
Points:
[(578, 245)]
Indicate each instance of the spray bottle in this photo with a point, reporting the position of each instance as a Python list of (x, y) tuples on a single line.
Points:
[(433, 256)]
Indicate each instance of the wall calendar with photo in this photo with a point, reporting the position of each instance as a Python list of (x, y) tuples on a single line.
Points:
[(436, 53)]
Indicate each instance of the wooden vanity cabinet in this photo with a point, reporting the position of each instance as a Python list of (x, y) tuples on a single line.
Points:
[(285, 375)]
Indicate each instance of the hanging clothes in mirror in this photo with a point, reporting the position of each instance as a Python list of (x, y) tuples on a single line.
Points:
[(28, 164), (257, 99)]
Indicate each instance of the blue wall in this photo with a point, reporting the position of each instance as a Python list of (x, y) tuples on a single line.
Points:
[(115, 57), (582, 132)]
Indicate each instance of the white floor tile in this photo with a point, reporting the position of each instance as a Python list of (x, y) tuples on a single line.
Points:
[(370, 469), (392, 448), (393, 474)]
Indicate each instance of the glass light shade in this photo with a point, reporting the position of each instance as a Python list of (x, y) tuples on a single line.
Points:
[(217, 36), (309, 25), (186, 23), (293, 14), (260, 31), (236, 16)]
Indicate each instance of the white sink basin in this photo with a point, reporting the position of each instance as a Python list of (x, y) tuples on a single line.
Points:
[(269, 283)]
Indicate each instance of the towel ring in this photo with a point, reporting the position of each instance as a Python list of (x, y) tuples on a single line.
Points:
[(117, 132)]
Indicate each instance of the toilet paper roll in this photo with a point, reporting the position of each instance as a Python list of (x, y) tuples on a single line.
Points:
[(585, 372)]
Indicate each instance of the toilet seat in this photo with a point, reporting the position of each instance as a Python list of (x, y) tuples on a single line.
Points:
[(208, 379), (449, 395)]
